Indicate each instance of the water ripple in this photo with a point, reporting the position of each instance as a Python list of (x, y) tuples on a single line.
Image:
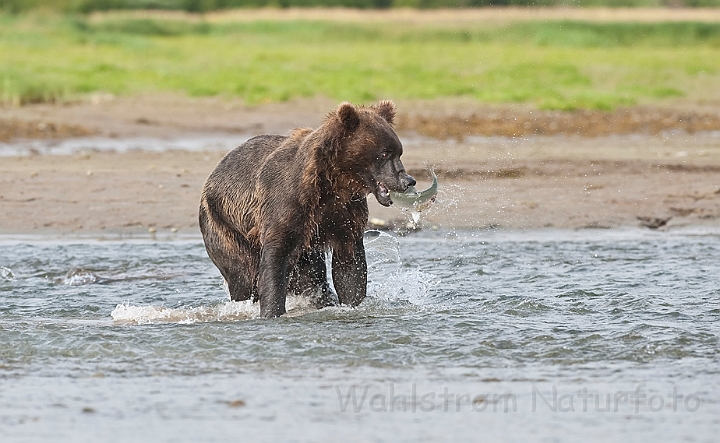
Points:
[(435, 300)]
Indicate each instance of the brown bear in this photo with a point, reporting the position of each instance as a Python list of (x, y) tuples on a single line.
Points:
[(274, 206)]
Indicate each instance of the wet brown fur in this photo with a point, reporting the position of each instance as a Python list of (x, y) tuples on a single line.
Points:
[(287, 200)]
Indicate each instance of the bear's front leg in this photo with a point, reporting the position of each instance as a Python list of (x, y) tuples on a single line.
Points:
[(309, 278), (349, 270), (275, 265)]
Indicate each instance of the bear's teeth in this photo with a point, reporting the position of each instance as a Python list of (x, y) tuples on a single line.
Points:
[(383, 190)]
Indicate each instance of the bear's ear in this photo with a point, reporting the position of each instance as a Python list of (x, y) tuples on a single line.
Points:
[(386, 110), (348, 116)]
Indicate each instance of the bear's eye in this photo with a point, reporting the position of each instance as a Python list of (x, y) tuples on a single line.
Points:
[(385, 154)]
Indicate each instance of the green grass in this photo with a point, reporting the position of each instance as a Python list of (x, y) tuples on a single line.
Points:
[(553, 65), (211, 5)]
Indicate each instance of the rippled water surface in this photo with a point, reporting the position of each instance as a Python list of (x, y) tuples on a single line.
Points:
[(465, 336)]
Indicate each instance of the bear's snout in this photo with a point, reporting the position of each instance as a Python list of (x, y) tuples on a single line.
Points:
[(407, 181)]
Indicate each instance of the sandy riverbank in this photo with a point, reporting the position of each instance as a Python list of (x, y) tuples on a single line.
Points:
[(533, 181)]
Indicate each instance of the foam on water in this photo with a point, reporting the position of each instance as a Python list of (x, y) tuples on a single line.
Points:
[(126, 313), (411, 286), (6, 274), (228, 311)]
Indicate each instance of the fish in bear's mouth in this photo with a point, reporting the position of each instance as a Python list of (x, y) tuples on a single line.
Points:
[(410, 198), (415, 200)]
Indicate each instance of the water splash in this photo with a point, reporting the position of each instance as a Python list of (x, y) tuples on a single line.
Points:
[(228, 311), (448, 199), (78, 277), (402, 285), (141, 315), (381, 249), (445, 204), (6, 274), (387, 279)]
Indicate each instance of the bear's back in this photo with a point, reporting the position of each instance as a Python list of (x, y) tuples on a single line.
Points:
[(240, 167), (230, 189)]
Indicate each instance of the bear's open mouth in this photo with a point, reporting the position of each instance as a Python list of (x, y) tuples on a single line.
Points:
[(383, 191), (382, 194)]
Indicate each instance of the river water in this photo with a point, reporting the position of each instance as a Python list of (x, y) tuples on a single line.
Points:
[(465, 336)]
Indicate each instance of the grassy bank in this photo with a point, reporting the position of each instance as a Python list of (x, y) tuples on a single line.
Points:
[(85, 6), (554, 64)]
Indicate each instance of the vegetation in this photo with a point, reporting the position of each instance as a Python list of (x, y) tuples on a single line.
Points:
[(556, 65), (210, 5)]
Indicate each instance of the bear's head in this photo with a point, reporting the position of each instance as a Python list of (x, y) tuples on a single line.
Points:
[(364, 146)]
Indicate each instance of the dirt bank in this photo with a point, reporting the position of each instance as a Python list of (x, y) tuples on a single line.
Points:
[(646, 176), (523, 122)]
